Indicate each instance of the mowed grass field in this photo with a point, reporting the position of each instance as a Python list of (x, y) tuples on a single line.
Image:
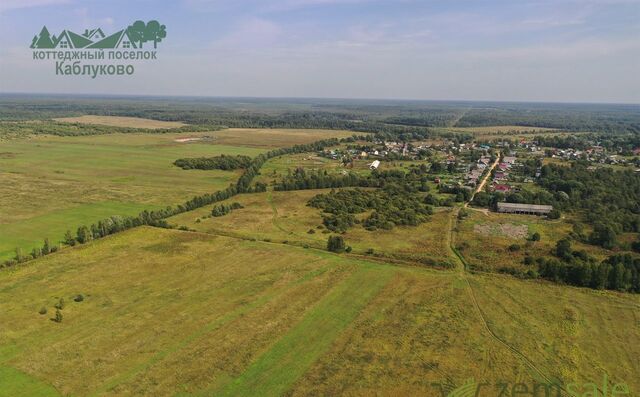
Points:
[(182, 313), (119, 121), (285, 216), (51, 184)]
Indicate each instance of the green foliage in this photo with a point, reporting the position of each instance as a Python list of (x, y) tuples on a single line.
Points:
[(58, 316), (335, 244), (390, 206), (222, 162), (43, 310), (224, 209), (60, 304)]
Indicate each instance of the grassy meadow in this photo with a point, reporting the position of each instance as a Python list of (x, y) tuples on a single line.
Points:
[(182, 313), (52, 184), (285, 216)]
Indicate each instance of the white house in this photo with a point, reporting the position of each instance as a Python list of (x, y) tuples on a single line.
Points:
[(374, 165)]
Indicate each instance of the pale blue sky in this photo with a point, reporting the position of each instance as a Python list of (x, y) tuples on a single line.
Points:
[(539, 50)]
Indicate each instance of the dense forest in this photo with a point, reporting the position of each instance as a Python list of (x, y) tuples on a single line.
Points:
[(404, 119)]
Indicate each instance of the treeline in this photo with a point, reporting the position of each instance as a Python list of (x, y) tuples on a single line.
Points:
[(603, 196), (19, 129), (224, 209), (618, 272), (390, 207), (157, 218), (624, 143), (416, 179), (222, 162)]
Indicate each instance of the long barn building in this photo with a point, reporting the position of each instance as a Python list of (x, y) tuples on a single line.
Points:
[(529, 209)]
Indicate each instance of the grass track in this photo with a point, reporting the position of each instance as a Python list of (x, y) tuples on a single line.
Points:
[(279, 368)]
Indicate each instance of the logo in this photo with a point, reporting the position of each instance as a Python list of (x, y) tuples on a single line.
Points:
[(73, 51)]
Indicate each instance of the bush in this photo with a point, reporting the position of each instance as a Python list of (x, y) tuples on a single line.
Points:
[(348, 249), (60, 304), (335, 244), (43, 310), (554, 214), (370, 251), (311, 231), (79, 298), (514, 247), (58, 317), (535, 236)]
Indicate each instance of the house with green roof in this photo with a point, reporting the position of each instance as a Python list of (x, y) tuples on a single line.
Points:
[(68, 39), (120, 39)]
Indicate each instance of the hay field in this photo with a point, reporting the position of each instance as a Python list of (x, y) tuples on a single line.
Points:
[(182, 313), (119, 121)]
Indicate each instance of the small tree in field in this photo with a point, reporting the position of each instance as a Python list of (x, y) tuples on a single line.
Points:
[(335, 244)]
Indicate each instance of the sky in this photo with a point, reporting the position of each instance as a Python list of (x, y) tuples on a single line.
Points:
[(510, 50)]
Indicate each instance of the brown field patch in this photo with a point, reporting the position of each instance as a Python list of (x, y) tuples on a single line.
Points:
[(118, 121)]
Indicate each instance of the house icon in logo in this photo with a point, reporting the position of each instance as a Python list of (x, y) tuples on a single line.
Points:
[(133, 37)]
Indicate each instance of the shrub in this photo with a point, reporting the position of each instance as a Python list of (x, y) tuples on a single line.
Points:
[(58, 317), (60, 304), (311, 231), (348, 249), (79, 298), (514, 247), (43, 310), (335, 244), (535, 236)]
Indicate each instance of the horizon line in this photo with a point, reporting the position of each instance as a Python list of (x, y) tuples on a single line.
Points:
[(316, 98)]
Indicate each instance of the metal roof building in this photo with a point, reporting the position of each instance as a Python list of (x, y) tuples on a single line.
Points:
[(530, 209)]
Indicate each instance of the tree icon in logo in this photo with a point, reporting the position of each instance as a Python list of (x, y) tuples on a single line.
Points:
[(151, 31)]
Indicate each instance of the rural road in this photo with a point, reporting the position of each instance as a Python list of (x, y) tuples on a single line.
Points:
[(484, 180)]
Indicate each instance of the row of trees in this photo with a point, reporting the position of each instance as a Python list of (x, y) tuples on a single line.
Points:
[(222, 162), (224, 209)]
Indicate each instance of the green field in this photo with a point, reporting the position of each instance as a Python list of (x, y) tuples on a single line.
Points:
[(168, 312), (51, 184)]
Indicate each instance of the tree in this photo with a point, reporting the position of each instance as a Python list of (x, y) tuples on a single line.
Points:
[(69, 239), (335, 244), (84, 235), (154, 32), (535, 236), (46, 248), (136, 32), (603, 235), (58, 317), (563, 249), (44, 39)]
